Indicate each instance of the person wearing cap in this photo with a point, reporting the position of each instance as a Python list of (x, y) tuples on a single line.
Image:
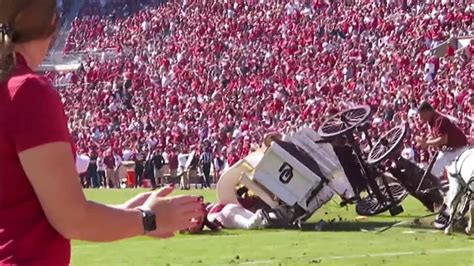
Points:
[(445, 135)]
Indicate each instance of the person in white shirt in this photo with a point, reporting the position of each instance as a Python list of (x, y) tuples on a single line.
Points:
[(145, 26), (290, 9), (118, 163), (151, 141), (221, 164), (165, 156), (182, 161), (127, 154), (412, 112), (430, 67), (82, 162)]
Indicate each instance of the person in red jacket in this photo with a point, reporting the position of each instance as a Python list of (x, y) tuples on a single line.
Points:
[(42, 204)]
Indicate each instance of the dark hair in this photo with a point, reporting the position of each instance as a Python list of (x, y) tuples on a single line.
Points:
[(471, 99), (23, 21), (425, 106)]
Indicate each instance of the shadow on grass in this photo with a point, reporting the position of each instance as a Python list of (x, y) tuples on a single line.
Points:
[(216, 233), (418, 226), (409, 216), (345, 226)]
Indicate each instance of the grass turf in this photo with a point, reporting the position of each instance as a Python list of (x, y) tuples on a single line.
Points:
[(343, 242)]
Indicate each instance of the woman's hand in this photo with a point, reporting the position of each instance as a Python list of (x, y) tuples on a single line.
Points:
[(137, 201), (173, 214)]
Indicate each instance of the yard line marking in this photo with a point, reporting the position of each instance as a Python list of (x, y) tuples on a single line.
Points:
[(86, 245), (376, 255), (403, 253)]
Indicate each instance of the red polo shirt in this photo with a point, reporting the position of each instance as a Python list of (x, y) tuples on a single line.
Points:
[(441, 125), (173, 161), (31, 114)]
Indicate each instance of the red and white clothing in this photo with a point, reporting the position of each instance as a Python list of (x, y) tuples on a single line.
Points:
[(233, 216), (457, 142)]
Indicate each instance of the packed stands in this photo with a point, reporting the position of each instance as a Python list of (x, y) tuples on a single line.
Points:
[(176, 73)]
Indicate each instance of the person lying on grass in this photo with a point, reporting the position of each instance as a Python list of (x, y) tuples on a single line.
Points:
[(248, 214)]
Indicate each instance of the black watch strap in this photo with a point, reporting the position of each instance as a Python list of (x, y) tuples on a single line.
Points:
[(149, 220)]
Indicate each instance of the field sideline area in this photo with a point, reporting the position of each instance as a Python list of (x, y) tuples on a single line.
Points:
[(342, 242)]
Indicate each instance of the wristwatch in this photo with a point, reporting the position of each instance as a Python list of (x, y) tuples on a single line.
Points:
[(149, 220)]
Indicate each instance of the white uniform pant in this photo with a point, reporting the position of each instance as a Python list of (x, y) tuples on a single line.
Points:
[(444, 159), (234, 216)]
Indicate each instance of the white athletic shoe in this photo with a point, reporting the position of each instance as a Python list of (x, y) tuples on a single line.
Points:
[(441, 221), (258, 221)]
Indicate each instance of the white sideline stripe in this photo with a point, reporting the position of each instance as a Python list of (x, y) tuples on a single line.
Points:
[(376, 255), (206, 237)]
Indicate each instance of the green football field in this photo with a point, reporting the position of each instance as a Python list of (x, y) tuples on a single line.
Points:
[(344, 241)]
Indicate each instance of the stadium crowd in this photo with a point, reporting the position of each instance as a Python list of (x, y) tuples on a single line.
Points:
[(164, 78)]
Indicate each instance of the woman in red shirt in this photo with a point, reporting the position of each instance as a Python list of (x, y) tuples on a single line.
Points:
[(42, 205)]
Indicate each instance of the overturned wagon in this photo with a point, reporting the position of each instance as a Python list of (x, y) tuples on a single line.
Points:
[(296, 174)]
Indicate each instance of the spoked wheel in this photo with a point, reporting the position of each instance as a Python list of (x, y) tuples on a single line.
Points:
[(344, 121), (370, 205), (387, 144)]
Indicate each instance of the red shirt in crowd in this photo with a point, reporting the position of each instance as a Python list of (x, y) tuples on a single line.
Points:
[(441, 125), (31, 114), (232, 159), (109, 162), (173, 161)]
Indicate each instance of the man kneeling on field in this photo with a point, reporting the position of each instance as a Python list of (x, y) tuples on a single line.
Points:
[(450, 141), (445, 135)]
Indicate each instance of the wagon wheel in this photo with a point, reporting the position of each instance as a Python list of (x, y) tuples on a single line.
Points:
[(370, 205), (344, 121), (387, 144)]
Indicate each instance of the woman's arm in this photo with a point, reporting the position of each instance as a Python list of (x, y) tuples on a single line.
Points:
[(50, 170), (38, 130)]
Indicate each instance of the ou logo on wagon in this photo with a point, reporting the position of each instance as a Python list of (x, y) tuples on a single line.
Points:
[(286, 173)]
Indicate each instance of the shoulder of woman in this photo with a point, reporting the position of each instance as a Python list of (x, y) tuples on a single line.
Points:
[(33, 88)]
